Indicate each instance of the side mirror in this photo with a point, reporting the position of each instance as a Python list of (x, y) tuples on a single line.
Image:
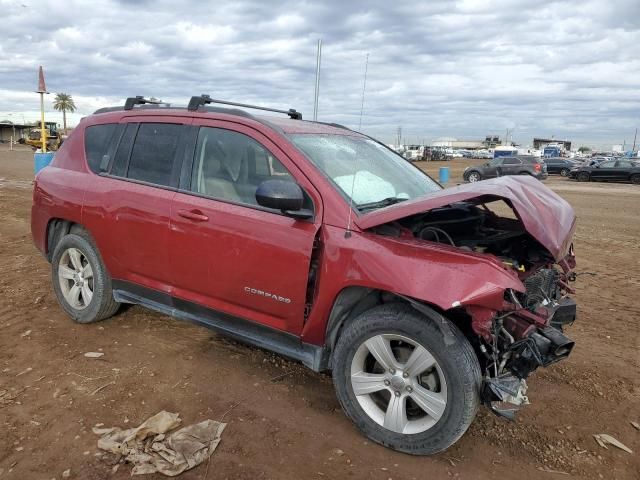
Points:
[(283, 195)]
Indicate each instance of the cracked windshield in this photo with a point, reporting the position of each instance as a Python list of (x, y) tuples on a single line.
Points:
[(364, 171)]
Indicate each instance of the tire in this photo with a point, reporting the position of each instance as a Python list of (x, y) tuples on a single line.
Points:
[(71, 249), (474, 176), (583, 177), (564, 172), (635, 179), (454, 378)]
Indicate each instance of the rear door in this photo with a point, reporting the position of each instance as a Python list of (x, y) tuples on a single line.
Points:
[(227, 252), (511, 166), (128, 207), (623, 170)]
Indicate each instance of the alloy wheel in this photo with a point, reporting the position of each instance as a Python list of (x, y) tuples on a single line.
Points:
[(398, 383), (76, 278), (474, 177)]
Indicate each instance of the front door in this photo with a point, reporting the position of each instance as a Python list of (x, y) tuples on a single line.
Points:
[(227, 252), (493, 168), (604, 171)]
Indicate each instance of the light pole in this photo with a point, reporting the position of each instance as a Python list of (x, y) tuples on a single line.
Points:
[(42, 89)]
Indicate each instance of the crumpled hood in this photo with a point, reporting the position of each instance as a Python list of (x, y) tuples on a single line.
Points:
[(546, 216)]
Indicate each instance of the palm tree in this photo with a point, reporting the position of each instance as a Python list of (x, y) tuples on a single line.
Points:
[(64, 103)]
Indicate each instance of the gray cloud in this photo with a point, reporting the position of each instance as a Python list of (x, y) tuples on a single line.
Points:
[(437, 68)]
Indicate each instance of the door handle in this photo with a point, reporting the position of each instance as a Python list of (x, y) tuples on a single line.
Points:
[(195, 215)]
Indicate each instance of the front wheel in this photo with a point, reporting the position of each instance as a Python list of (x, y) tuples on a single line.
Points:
[(564, 172), (474, 177), (408, 381), (583, 177), (635, 179)]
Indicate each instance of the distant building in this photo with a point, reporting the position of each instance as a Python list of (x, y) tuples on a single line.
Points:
[(491, 141), (8, 129)]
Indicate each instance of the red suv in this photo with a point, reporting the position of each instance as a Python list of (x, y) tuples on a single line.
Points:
[(318, 243)]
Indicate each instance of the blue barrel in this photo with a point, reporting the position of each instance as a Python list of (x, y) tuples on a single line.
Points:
[(444, 175), (41, 160)]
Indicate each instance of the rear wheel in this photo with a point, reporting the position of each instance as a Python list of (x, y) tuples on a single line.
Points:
[(80, 280), (407, 381), (564, 172), (583, 177), (635, 179)]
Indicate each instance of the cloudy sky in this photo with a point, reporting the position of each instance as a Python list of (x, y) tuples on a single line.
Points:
[(460, 69)]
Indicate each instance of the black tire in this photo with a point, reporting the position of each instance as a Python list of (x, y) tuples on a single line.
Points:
[(524, 173), (476, 174), (635, 179), (583, 177), (102, 304), (449, 347), (564, 172)]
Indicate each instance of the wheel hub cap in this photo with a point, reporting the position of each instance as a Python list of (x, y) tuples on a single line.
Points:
[(398, 383), (76, 278)]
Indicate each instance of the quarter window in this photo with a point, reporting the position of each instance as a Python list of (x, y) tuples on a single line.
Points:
[(153, 153), (230, 165), (97, 139)]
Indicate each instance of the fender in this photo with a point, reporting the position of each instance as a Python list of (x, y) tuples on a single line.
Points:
[(436, 274)]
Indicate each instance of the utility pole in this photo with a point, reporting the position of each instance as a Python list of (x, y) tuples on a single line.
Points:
[(317, 92), (635, 136)]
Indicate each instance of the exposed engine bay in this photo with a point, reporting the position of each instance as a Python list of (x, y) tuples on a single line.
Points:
[(527, 332)]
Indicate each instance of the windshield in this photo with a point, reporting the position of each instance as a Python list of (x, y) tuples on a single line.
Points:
[(364, 171)]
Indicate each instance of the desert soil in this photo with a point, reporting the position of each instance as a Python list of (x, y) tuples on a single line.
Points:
[(284, 421)]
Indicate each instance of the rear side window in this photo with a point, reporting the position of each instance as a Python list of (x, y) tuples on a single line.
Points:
[(511, 161), (97, 139), (153, 152), (119, 168)]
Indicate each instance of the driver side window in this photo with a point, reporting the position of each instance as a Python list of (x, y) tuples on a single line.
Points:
[(495, 162), (230, 165)]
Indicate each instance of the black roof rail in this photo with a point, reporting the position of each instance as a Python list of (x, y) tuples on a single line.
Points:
[(140, 100), (202, 100)]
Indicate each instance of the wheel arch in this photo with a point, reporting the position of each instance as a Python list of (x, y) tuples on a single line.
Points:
[(352, 301), (56, 229)]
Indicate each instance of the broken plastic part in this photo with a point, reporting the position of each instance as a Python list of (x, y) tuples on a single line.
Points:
[(504, 395)]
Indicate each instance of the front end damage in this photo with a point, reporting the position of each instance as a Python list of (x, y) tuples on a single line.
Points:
[(525, 230), (523, 335)]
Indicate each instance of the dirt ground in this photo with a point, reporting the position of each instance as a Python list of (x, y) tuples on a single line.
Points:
[(284, 421)]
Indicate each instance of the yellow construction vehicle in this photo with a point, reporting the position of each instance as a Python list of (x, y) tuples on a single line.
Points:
[(54, 137)]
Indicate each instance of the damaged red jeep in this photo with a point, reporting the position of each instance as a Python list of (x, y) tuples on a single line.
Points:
[(318, 243)]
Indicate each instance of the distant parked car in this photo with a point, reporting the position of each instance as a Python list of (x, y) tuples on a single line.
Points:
[(558, 165), (610, 170), (501, 166)]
